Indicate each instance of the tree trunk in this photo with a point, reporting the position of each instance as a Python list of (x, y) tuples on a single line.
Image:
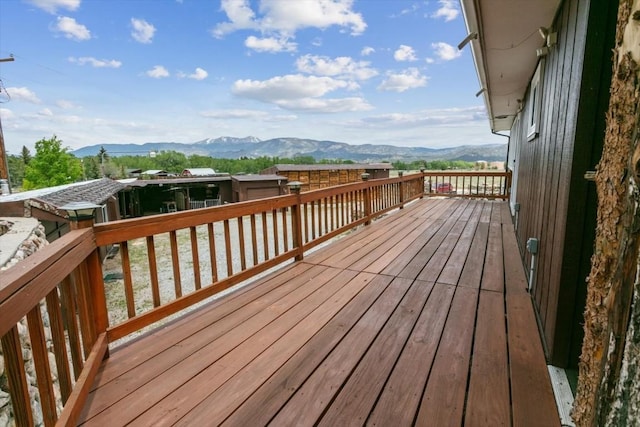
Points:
[(609, 383)]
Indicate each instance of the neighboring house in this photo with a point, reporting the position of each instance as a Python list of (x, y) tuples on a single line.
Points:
[(198, 172), (45, 204), (252, 187), (318, 176), (544, 70), (154, 173), (152, 196)]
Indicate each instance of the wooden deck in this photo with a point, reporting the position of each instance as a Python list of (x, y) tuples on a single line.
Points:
[(419, 319)]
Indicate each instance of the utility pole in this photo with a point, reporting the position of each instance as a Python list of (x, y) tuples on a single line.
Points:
[(4, 165)]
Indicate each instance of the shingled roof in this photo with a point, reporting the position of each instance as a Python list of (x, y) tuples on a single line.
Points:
[(96, 191)]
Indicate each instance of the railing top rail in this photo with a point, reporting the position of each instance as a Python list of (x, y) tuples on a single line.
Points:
[(466, 173), (15, 278)]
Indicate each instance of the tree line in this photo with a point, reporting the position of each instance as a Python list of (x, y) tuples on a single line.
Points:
[(53, 164)]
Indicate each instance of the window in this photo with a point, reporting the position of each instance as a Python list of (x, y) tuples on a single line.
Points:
[(534, 103)]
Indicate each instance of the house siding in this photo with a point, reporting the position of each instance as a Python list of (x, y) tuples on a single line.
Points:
[(557, 205)]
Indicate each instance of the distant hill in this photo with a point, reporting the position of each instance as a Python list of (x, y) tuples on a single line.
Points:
[(233, 148)]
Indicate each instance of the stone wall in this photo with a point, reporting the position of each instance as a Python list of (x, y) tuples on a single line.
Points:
[(21, 238)]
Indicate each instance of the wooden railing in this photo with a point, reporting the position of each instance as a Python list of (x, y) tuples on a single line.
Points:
[(166, 263), (59, 291), (486, 185)]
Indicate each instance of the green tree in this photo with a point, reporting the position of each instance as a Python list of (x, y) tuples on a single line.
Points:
[(26, 155), (16, 171), (52, 165), (91, 168)]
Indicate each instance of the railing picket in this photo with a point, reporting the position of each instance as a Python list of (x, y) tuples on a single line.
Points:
[(175, 261), (305, 219), (153, 271), (41, 364), (243, 252), (54, 310), (69, 309), (128, 279), (227, 247), (254, 240), (16, 377), (285, 230), (213, 259), (84, 308), (313, 220), (276, 244), (195, 256), (265, 236)]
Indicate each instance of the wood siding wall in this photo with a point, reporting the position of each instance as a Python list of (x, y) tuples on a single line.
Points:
[(556, 202), (316, 179)]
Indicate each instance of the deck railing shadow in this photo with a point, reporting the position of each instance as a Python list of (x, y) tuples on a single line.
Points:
[(57, 298)]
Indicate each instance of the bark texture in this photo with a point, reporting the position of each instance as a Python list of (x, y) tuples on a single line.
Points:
[(608, 383)]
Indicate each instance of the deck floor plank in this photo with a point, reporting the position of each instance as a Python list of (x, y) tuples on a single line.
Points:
[(422, 318), (157, 377), (399, 400), (358, 395), (444, 396), (490, 368)]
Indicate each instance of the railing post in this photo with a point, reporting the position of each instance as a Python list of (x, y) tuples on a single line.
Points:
[(296, 218), (422, 190), (367, 199), (401, 174), (90, 281)]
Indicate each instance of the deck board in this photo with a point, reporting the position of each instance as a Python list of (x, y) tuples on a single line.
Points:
[(408, 321)]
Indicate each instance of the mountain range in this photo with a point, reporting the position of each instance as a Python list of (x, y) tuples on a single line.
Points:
[(233, 148)]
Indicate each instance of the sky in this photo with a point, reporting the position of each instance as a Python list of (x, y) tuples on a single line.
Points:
[(135, 71)]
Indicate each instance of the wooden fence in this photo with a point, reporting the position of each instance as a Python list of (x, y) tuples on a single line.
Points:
[(59, 292)]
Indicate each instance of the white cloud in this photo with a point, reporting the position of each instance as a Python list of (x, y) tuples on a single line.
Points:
[(52, 6), (448, 10), (404, 53), (234, 114), (247, 114), (293, 86), (142, 31), (342, 67), (445, 51), (367, 50), (410, 10), (198, 74), (400, 82), (286, 17), (45, 112), (158, 72), (65, 105), (71, 29), (270, 44), (432, 117), (97, 63), (23, 94), (339, 105), (7, 114), (298, 92)]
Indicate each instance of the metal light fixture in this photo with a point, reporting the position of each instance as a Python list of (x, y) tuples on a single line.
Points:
[(544, 32), (480, 92), (542, 51), (79, 211), (294, 186), (463, 43)]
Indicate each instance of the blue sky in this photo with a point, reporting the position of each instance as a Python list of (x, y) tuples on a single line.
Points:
[(135, 71)]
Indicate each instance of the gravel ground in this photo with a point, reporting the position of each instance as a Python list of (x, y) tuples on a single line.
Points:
[(112, 268)]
